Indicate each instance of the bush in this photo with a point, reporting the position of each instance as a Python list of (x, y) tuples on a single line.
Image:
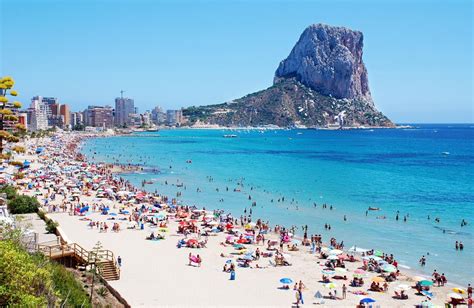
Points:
[(9, 190), (51, 226), (23, 204), (34, 281), (102, 291)]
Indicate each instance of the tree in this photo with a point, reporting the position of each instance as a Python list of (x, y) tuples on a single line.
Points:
[(9, 126)]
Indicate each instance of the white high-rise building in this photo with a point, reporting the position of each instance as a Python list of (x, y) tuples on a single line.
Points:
[(37, 115)]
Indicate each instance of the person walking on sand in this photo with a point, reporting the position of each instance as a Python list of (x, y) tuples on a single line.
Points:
[(344, 291), (119, 261)]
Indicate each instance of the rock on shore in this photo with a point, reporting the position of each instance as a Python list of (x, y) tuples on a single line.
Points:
[(323, 81)]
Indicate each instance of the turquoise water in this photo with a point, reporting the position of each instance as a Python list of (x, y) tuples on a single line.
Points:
[(401, 170)]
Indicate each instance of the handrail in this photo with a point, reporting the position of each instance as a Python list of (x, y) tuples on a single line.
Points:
[(86, 256)]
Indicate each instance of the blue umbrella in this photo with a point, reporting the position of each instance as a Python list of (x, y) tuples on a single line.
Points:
[(426, 293), (125, 212), (367, 300), (286, 280), (113, 214)]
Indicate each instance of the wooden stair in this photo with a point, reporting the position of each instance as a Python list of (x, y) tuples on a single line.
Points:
[(104, 259), (109, 271)]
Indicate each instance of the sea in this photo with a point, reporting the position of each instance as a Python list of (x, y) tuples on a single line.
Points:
[(423, 173)]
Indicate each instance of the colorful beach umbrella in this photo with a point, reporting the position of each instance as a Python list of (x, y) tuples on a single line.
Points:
[(389, 268), (426, 283), (459, 290), (330, 285), (328, 272), (378, 279), (426, 293), (359, 271), (378, 253), (367, 300), (286, 280)]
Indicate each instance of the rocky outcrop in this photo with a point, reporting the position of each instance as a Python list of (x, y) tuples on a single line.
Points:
[(323, 82), (329, 60)]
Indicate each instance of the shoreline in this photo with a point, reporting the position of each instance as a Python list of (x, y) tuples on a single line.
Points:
[(413, 272), (119, 169)]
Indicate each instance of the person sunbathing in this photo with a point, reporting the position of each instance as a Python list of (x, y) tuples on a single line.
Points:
[(151, 237)]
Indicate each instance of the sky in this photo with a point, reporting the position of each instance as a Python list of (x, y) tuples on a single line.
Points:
[(181, 53)]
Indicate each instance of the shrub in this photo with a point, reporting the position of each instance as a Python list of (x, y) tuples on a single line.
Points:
[(33, 281), (51, 226), (102, 291), (9, 190), (23, 204)]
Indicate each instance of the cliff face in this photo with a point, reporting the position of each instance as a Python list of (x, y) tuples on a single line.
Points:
[(323, 81), (329, 60)]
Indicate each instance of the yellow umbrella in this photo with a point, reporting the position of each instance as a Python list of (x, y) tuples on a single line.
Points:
[(459, 290), (378, 279)]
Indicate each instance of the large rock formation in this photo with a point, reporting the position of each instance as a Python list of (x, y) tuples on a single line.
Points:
[(323, 81), (329, 60)]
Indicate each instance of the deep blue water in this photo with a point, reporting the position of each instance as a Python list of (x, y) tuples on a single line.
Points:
[(401, 170)]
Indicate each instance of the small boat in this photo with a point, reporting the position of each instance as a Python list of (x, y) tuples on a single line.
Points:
[(445, 153), (374, 208), (148, 182), (230, 136)]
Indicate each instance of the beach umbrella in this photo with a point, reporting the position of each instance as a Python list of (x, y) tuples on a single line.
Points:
[(425, 283), (332, 257), (378, 253), (418, 278), (318, 295), (378, 279), (359, 271), (325, 249), (358, 275), (459, 290), (113, 214), (342, 256), (328, 272), (330, 285), (454, 295), (426, 293), (367, 300), (248, 257), (286, 280), (403, 287), (341, 270), (389, 268), (229, 237), (239, 246), (335, 252)]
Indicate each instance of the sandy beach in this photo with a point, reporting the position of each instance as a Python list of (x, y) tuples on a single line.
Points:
[(156, 273)]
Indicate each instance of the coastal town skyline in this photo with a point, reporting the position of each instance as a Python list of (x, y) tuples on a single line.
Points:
[(188, 54)]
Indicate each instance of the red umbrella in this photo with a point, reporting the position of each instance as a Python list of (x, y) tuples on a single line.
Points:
[(229, 226), (191, 241), (183, 223)]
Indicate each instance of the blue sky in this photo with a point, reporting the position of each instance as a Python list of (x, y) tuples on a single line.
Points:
[(181, 53)]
